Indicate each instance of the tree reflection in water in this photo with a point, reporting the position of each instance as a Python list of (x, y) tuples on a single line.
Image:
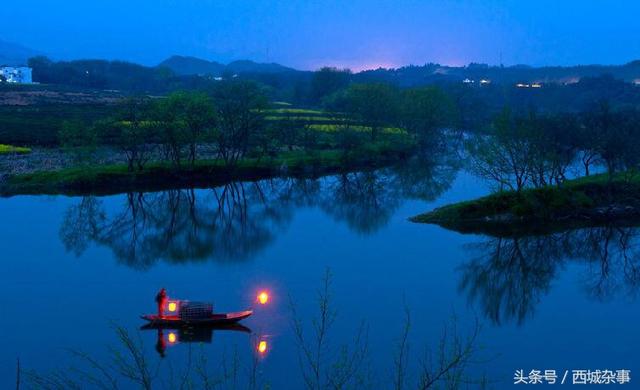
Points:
[(509, 275), (229, 223), (237, 221)]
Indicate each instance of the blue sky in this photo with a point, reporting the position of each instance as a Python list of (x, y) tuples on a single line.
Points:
[(348, 33)]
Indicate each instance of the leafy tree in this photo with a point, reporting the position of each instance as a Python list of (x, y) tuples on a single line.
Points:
[(553, 147), (240, 109), (615, 137), (585, 140), (130, 131), (287, 130), (374, 105), (504, 155), (327, 81), (186, 118), (425, 111), (533, 150)]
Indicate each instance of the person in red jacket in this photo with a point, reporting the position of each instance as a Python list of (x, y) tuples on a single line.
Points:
[(161, 300)]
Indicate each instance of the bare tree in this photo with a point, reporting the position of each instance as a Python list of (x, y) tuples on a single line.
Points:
[(321, 366)]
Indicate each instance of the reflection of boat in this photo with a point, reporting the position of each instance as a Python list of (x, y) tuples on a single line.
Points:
[(212, 319), (230, 326), (180, 332)]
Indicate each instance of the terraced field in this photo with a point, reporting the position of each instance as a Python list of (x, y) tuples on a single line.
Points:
[(319, 120)]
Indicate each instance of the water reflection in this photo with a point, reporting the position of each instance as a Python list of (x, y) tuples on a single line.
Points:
[(170, 335), (324, 360), (237, 221), (508, 276)]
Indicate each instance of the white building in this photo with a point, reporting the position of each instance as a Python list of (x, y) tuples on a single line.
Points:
[(19, 75)]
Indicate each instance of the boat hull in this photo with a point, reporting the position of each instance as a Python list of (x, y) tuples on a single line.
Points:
[(215, 319)]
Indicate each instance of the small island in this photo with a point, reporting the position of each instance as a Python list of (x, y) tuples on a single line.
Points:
[(541, 169), (584, 202)]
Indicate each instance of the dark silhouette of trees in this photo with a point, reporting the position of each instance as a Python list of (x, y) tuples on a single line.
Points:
[(503, 156), (185, 119), (327, 81), (553, 147), (536, 150), (425, 111), (240, 110), (614, 136), (131, 132), (111, 75), (373, 105)]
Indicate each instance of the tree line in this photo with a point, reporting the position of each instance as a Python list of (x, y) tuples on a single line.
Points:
[(231, 117), (230, 122), (536, 150)]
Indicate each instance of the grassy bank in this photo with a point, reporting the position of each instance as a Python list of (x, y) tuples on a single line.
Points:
[(588, 201), (10, 149), (110, 179)]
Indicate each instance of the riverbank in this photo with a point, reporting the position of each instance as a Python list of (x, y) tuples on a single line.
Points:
[(116, 178), (10, 149), (588, 201)]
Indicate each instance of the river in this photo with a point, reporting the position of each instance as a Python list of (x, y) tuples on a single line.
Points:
[(76, 269)]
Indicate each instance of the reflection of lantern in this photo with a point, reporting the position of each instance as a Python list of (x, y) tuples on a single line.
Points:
[(263, 298), (172, 337), (262, 346), (173, 306)]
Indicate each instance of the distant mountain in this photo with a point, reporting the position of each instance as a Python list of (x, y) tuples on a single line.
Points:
[(13, 54), (185, 66), (246, 66), (412, 75)]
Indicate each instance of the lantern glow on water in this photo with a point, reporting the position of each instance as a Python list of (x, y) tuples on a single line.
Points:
[(262, 347), (172, 338), (263, 297)]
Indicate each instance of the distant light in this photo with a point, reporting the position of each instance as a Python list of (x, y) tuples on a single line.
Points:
[(485, 81), (536, 85), (172, 337), (173, 306), (262, 347), (263, 298)]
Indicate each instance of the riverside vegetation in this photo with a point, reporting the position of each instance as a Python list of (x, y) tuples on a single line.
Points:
[(530, 160), (234, 132), (234, 129)]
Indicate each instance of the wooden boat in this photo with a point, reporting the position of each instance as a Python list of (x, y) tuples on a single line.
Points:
[(214, 319)]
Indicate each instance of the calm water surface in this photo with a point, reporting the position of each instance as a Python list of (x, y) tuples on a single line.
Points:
[(73, 267)]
